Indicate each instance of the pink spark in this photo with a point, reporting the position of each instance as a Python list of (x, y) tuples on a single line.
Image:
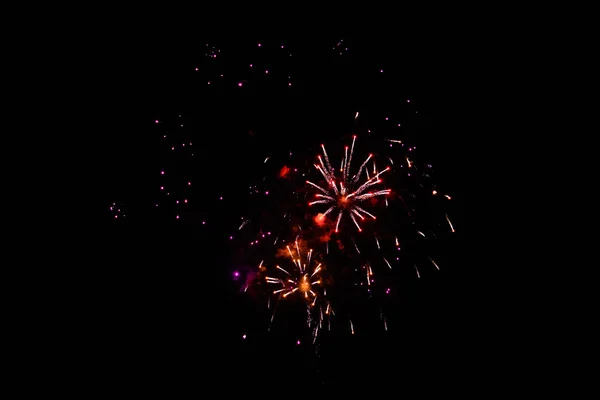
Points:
[(240, 84), (259, 45)]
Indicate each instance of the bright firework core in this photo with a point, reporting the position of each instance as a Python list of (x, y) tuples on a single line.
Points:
[(304, 285), (343, 192)]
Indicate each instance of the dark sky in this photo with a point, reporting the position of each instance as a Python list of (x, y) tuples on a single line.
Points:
[(165, 302)]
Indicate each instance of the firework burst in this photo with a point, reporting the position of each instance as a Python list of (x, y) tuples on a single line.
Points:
[(343, 191), (302, 277)]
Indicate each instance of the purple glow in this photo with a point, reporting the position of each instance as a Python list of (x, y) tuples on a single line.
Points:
[(298, 342), (244, 336), (236, 274)]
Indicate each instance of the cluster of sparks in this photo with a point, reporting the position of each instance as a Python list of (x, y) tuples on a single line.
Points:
[(212, 52), (117, 210), (303, 277), (343, 192)]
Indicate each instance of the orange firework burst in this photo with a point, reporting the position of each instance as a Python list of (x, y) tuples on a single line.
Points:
[(303, 277)]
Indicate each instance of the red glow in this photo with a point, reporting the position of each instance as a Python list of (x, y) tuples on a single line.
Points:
[(319, 220), (284, 171)]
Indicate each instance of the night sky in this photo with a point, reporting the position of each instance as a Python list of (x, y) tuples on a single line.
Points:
[(167, 301)]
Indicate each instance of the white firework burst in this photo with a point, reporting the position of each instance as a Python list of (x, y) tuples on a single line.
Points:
[(344, 192)]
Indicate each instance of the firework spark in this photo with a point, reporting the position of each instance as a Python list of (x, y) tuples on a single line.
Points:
[(343, 191), (302, 277)]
